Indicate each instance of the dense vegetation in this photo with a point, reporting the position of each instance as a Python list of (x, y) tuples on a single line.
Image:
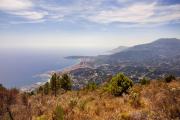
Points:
[(116, 99), (120, 84), (57, 83)]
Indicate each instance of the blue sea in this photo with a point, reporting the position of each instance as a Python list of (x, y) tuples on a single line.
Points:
[(23, 67)]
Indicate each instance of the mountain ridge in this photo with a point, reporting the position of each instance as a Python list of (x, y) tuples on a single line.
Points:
[(153, 60), (162, 47)]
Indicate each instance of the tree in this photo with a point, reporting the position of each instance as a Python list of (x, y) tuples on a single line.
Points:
[(169, 78), (65, 82), (120, 84), (40, 90), (46, 88), (53, 83), (58, 83)]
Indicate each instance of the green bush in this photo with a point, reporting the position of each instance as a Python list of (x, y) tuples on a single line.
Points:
[(120, 84), (169, 78), (144, 81), (91, 86), (58, 113)]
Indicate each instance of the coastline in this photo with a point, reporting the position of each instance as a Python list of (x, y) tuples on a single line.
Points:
[(79, 64)]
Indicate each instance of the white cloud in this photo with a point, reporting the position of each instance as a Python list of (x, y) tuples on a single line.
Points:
[(139, 14), (24, 22), (136, 13), (31, 15), (22, 8), (15, 4)]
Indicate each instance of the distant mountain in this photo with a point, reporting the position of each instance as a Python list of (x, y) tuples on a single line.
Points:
[(118, 49), (153, 60), (165, 48)]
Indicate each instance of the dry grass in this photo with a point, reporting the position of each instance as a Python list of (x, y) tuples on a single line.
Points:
[(155, 101)]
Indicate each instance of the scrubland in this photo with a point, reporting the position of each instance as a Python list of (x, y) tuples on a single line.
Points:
[(157, 100)]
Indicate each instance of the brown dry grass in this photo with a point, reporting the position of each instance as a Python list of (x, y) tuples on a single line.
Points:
[(156, 101)]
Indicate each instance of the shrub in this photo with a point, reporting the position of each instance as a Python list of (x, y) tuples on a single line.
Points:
[(91, 86), (169, 78), (144, 81), (120, 84), (58, 113)]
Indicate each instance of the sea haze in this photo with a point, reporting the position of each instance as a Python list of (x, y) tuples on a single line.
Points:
[(22, 67)]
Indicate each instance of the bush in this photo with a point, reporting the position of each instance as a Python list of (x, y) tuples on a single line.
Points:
[(91, 86), (169, 78), (120, 84), (58, 113), (144, 81)]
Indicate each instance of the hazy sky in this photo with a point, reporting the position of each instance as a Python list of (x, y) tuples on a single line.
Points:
[(86, 23)]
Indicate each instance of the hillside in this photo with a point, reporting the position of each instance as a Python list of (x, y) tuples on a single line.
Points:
[(152, 60), (164, 48), (155, 101)]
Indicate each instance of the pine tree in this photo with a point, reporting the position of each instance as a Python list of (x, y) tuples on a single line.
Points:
[(46, 88), (53, 83), (40, 90), (65, 82), (58, 83)]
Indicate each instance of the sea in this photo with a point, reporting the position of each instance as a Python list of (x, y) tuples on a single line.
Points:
[(24, 67)]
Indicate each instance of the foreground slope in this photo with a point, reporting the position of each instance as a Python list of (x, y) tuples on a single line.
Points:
[(155, 101)]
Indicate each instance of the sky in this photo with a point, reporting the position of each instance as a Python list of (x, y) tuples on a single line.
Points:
[(86, 23)]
